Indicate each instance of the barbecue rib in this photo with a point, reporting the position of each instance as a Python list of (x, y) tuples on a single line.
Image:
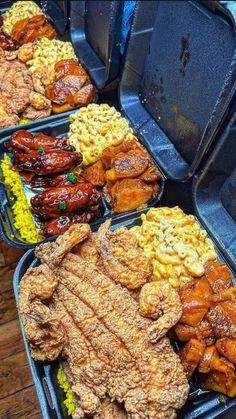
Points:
[(104, 338)]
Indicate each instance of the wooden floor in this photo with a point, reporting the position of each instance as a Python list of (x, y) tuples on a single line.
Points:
[(18, 399)]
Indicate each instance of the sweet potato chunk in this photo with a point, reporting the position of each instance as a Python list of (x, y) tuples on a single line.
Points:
[(70, 66), (130, 165), (222, 377), (84, 95), (218, 276), (194, 309), (230, 308), (207, 359), (204, 333), (130, 194), (184, 332), (152, 174), (95, 174), (198, 287), (227, 348), (191, 355), (227, 295), (221, 323)]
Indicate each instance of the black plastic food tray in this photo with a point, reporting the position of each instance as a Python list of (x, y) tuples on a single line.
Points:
[(71, 27), (179, 78), (7, 230)]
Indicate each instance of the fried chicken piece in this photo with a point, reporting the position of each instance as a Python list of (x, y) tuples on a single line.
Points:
[(221, 322), (61, 224), (227, 348), (73, 198), (32, 113), (122, 258), (110, 410), (46, 163), (42, 325), (7, 119), (26, 52), (39, 102), (159, 301), (107, 349), (218, 276), (42, 77), (95, 174), (191, 355), (131, 194), (23, 140)]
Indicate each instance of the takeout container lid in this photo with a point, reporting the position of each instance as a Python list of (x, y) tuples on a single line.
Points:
[(179, 79), (94, 28)]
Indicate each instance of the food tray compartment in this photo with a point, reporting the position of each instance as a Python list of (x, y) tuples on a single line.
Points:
[(67, 21), (201, 404), (95, 31), (179, 79), (7, 230)]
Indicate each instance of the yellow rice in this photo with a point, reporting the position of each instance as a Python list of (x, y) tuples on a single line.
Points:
[(23, 219), (65, 385)]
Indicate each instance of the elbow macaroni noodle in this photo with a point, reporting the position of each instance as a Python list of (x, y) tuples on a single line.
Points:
[(175, 243), (96, 127)]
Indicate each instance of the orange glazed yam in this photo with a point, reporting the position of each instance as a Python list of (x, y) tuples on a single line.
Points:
[(194, 309), (204, 333), (218, 276), (222, 377), (191, 355), (230, 308), (227, 295), (84, 95), (184, 332), (227, 348), (130, 194), (221, 323), (197, 287), (95, 174), (207, 359)]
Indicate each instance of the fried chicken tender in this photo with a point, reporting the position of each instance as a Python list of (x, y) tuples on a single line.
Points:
[(26, 52), (159, 301), (39, 102), (121, 257), (7, 119)]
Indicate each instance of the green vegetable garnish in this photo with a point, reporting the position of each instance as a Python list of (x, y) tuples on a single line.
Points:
[(10, 155), (62, 205), (71, 177), (41, 150)]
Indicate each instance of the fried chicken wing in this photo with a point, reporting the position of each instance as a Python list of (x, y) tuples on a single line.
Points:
[(46, 163), (159, 301), (191, 355), (54, 202), (106, 349), (122, 259), (23, 140)]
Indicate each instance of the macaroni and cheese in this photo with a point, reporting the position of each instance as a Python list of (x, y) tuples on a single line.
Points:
[(18, 11), (175, 243), (96, 127)]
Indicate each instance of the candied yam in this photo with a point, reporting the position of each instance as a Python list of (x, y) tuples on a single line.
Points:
[(197, 287), (184, 332), (218, 276), (130, 194), (130, 166), (207, 359), (221, 323), (204, 333), (74, 83), (152, 174), (227, 348), (95, 174), (84, 95), (111, 176), (222, 377), (70, 66), (191, 355), (227, 295), (61, 108), (230, 308), (194, 309)]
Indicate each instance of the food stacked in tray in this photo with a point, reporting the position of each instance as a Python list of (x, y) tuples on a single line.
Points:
[(104, 304), (97, 168), (39, 74)]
